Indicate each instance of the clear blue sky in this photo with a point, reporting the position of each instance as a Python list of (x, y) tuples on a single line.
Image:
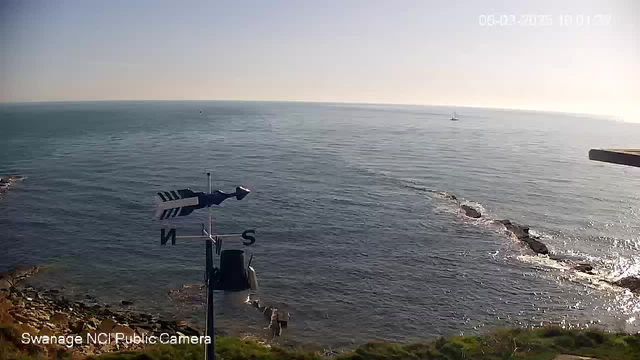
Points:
[(408, 52)]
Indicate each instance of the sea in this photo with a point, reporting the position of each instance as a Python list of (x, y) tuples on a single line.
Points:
[(356, 234)]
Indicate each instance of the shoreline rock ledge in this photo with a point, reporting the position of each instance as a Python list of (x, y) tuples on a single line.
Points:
[(38, 312), (471, 212), (630, 282), (522, 233)]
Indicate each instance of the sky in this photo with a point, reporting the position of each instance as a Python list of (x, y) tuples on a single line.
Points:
[(358, 51)]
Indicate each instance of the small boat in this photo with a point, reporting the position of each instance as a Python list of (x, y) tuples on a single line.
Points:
[(454, 117)]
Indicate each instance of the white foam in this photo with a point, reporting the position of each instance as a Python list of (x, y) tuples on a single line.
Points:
[(543, 260)]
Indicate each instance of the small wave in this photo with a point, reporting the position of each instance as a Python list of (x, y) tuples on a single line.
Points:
[(543, 261), (541, 235), (562, 270), (626, 267), (562, 261), (417, 187)]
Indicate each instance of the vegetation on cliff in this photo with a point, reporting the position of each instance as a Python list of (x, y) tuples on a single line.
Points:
[(27, 311), (544, 343)]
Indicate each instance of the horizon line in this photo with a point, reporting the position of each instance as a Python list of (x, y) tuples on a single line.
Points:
[(610, 116)]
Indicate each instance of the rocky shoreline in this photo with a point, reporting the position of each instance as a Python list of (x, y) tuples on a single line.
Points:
[(46, 313), (521, 232)]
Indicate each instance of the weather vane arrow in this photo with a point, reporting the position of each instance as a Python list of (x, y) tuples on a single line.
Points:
[(183, 202)]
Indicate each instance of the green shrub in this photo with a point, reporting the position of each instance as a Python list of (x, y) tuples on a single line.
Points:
[(552, 331), (582, 341), (597, 336)]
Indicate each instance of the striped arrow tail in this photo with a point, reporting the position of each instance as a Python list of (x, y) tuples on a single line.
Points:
[(176, 203)]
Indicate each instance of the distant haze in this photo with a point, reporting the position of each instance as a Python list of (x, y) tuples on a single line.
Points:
[(406, 52)]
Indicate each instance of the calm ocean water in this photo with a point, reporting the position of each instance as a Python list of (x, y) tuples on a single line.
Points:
[(353, 235)]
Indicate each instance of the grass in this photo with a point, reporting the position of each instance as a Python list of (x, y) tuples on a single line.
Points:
[(544, 344)]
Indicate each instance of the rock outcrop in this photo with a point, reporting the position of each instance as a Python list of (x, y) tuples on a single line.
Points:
[(7, 181), (631, 282), (48, 312), (585, 268), (470, 212), (522, 233), (16, 275)]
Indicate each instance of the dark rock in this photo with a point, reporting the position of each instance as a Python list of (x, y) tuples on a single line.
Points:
[(64, 302), (142, 331), (106, 312), (185, 329), (123, 318), (106, 325), (127, 302), (93, 322), (180, 323), (21, 318), (142, 326), (470, 212), (76, 327), (80, 305), (632, 283), (585, 268), (522, 233), (518, 230), (535, 245), (58, 318), (167, 323)]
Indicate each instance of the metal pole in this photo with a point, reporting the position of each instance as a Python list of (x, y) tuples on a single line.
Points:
[(209, 181), (210, 348)]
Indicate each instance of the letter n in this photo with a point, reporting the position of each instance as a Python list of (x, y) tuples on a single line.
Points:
[(164, 237)]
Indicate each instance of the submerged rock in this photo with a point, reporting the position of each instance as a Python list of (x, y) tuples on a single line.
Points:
[(535, 245), (17, 275), (7, 181), (470, 212), (12, 179), (585, 268), (76, 326), (522, 233), (631, 282)]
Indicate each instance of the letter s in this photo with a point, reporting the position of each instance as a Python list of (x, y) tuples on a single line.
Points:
[(25, 338), (251, 239)]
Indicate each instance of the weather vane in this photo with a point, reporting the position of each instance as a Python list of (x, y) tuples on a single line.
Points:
[(233, 275)]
